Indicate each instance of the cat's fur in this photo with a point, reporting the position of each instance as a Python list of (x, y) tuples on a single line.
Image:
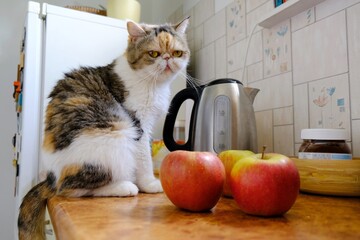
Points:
[(99, 120)]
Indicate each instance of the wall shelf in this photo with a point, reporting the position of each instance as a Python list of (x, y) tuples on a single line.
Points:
[(287, 10)]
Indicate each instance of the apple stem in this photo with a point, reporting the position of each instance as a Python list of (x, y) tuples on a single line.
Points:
[(263, 151)]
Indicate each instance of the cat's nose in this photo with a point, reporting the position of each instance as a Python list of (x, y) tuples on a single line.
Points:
[(166, 56)]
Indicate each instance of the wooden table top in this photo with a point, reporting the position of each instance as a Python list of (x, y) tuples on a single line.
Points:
[(152, 216)]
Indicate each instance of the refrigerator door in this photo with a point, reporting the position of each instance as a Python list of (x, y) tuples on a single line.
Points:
[(28, 119), (56, 40), (72, 39)]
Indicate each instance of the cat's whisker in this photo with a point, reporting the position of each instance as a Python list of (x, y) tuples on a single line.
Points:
[(191, 81)]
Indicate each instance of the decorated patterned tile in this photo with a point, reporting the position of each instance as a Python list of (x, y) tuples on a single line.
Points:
[(235, 22), (303, 19), (277, 49), (329, 102)]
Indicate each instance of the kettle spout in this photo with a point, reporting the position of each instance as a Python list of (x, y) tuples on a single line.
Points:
[(251, 92)]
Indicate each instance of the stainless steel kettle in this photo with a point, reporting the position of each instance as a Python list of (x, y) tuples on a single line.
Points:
[(222, 117)]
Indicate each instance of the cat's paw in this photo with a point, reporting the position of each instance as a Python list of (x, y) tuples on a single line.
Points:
[(119, 189), (153, 186)]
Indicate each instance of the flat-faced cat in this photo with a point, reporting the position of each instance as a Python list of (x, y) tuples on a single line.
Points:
[(99, 120)]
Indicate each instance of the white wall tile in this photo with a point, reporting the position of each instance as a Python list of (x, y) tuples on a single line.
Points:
[(255, 49), (189, 4), (236, 53), (205, 64), (277, 49), (284, 140), (179, 14), (301, 110), (203, 11), (353, 20), (356, 138), (221, 4), (255, 72), (275, 92), (254, 17), (283, 116), (190, 34), (303, 19), (235, 56), (330, 7), (252, 4), (238, 74), (329, 103), (320, 50), (220, 58), (190, 13), (264, 128), (297, 147), (215, 27), (191, 66), (199, 37), (235, 22)]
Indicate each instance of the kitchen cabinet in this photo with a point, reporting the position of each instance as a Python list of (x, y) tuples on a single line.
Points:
[(153, 216)]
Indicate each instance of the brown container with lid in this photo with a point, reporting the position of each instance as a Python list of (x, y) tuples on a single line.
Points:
[(321, 143)]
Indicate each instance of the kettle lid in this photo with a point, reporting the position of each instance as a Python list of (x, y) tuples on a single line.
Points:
[(223, 80)]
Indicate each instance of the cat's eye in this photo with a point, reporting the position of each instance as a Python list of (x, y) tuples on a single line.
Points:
[(177, 53), (153, 54)]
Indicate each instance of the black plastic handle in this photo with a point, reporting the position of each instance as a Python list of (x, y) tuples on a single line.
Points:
[(179, 98)]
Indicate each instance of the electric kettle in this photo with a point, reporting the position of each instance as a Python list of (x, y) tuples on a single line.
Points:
[(222, 117)]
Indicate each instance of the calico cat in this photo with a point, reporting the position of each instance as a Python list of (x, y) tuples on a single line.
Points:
[(99, 120)]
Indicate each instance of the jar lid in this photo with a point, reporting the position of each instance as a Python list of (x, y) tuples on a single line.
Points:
[(324, 134)]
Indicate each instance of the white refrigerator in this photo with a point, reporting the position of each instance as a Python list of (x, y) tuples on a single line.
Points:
[(56, 40)]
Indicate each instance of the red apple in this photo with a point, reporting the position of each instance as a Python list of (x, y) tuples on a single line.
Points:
[(265, 186), (229, 158), (192, 180)]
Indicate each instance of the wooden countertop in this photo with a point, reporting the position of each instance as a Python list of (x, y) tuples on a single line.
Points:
[(152, 216)]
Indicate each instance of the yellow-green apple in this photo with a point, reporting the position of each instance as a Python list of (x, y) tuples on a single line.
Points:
[(192, 181), (265, 185), (229, 158)]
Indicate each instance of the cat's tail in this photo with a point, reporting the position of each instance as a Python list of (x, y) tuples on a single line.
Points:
[(31, 221)]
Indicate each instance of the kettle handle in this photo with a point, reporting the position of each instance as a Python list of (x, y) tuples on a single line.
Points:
[(179, 98)]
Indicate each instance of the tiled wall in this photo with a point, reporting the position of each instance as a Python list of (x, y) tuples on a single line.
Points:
[(307, 67)]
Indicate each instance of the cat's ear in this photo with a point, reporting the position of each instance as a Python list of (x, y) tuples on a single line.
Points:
[(182, 26), (135, 30)]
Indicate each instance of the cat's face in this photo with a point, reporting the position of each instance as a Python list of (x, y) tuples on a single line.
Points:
[(159, 52)]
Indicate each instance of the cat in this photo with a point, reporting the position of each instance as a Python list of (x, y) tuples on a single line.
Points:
[(99, 120)]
